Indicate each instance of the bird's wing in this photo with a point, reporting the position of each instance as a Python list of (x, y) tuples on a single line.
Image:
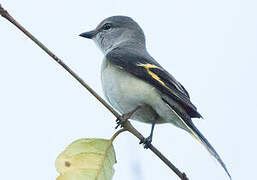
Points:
[(147, 69)]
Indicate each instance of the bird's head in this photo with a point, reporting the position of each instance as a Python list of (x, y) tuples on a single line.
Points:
[(116, 31)]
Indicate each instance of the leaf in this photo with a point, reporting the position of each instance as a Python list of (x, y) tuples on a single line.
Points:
[(87, 159)]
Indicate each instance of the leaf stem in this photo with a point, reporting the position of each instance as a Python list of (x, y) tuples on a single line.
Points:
[(117, 133)]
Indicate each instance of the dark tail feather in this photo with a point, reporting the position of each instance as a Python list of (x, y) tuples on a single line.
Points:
[(208, 146)]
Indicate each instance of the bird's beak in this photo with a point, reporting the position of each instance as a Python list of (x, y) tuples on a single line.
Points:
[(89, 34)]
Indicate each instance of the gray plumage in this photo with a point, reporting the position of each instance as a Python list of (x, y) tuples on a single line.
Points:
[(131, 78)]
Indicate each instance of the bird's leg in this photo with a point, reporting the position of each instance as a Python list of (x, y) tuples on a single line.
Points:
[(124, 117), (147, 141)]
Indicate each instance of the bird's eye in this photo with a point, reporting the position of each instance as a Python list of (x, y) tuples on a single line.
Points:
[(107, 26)]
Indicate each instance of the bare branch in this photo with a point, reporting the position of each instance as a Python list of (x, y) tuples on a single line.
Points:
[(126, 125)]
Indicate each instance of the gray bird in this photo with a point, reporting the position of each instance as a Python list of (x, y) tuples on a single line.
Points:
[(133, 81)]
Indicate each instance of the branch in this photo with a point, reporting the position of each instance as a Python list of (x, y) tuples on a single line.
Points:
[(126, 125)]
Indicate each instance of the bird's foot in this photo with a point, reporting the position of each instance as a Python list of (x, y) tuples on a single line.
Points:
[(146, 142), (123, 118)]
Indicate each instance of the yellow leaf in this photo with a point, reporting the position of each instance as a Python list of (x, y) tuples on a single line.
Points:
[(87, 159)]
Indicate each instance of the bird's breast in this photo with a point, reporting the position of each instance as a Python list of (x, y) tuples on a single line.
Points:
[(124, 91)]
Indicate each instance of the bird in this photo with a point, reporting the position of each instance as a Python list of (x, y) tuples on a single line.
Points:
[(133, 81)]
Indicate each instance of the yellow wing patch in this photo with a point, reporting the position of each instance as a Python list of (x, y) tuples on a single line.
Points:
[(153, 75), (148, 66)]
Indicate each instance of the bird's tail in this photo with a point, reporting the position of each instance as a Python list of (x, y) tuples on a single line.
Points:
[(198, 135), (190, 127)]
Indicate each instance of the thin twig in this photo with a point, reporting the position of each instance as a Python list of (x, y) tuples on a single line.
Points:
[(127, 125), (117, 133)]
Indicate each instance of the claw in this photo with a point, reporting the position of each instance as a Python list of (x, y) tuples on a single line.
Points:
[(120, 120), (146, 142)]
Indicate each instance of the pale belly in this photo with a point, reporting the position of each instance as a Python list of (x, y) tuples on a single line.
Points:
[(125, 92)]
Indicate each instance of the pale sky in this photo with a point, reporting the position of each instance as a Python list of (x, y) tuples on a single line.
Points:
[(209, 46)]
